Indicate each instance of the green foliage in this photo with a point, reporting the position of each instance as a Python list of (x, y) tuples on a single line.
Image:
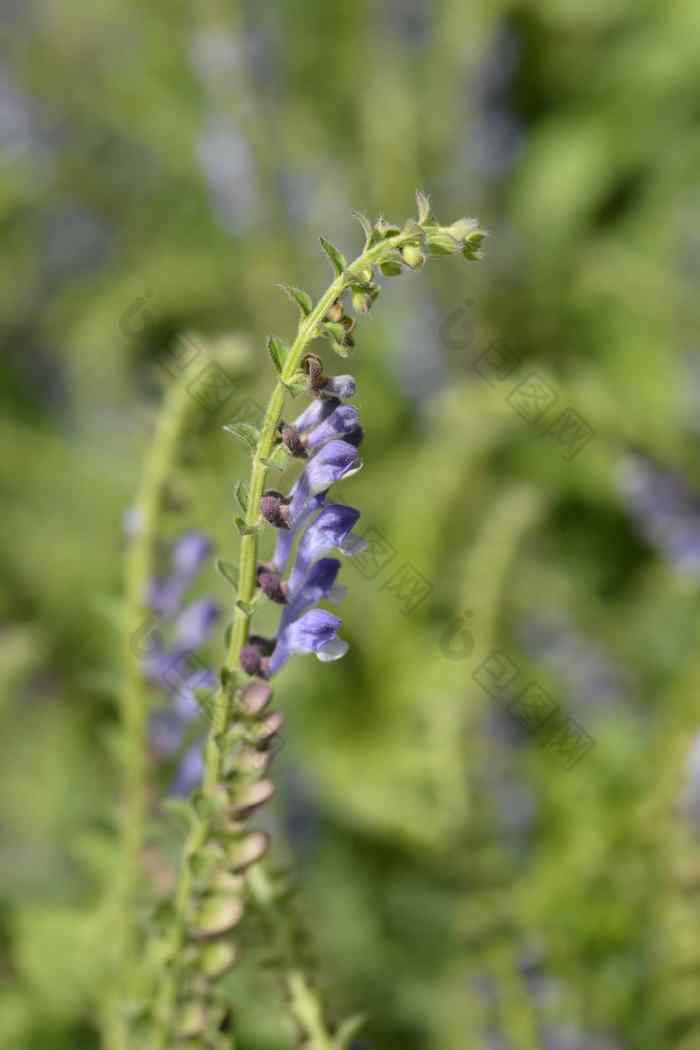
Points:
[(175, 165)]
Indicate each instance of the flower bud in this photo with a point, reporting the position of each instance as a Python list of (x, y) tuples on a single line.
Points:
[(292, 441), (254, 655), (312, 366), (217, 914), (255, 697), (252, 797), (441, 242), (412, 256), (192, 1021), (217, 959), (363, 298), (334, 311), (272, 585), (390, 268), (248, 850), (274, 509)]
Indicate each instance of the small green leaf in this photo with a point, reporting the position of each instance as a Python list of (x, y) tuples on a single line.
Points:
[(245, 607), (347, 1030), (278, 351), (334, 330), (181, 809), (301, 298), (241, 493), (337, 258), (244, 528), (229, 571), (366, 226), (278, 460), (244, 432)]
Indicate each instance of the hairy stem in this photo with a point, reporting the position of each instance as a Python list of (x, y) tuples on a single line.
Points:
[(134, 700)]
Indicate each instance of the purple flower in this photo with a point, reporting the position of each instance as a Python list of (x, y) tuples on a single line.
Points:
[(285, 537), (189, 773), (173, 667), (302, 628), (194, 626), (343, 420), (666, 510), (332, 528), (339, 386), (314, 632), (188, 556), (315, 413), (335, 461)]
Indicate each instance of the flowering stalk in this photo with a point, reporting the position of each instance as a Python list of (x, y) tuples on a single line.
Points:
[(134, 700), (326, 435)]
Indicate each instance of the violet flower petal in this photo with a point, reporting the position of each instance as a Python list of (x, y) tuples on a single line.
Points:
[(314, 632), (343, 420), (195, 625), (332, 528), (332, 463)]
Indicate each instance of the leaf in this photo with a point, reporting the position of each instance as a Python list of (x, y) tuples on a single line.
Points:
[(337, 258), (181, 809), (278, 351), (347, 1030), (334, 330), (240, 491), (244, 432), (229, 571), (227, 635), (244, 528), (301, 298), (245, 607), (366, 226)]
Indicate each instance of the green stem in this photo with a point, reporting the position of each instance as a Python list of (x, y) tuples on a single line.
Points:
[(134, 700)]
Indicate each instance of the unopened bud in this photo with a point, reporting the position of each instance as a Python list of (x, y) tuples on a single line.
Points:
[(313, 368), (217, 914), (252, 797), (192, 1021), (412, 256), (248, 851), (391, 268), (255, 697), (334, 311), (271, 584), (217, 959), (292, 440), (274, 508)]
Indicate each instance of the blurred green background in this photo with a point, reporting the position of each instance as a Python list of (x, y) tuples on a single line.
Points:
[(163, 166)]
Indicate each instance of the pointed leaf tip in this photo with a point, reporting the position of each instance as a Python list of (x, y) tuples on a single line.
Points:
[(278, 351), (300, 297), (338, 260)]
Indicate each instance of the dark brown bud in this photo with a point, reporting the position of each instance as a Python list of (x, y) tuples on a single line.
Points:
[(270, 583), (313, 367), (293, 441), (274, 508), (254, 655)]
